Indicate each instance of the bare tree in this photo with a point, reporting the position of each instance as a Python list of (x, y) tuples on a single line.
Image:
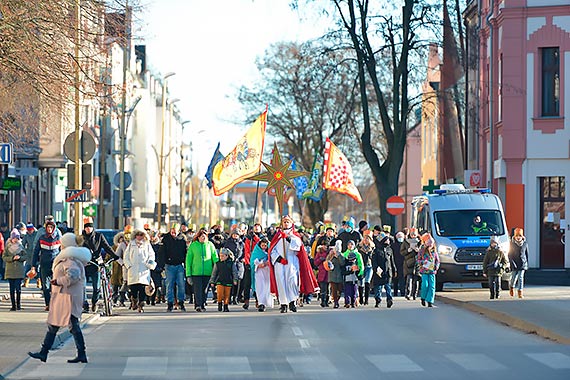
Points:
[(311, 96)]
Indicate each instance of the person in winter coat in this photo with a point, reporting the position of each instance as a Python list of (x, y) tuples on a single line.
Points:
[(250, 242), (139, 259), (398, 281), (494, 264), (98, 245), (68, 291), (156, 273), (409, 250), (260, 275), (173, 250), (336, 278), (14, 257), (518, 261), (28, 242), (349, 233), (320, 259), (428, 261), (383, 269), (117, 281), (353, 270), (366, 249), (45, 252), (236, 245), (224, 275), (200, 259)]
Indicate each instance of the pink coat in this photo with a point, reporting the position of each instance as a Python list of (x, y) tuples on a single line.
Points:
[(320, 258), (67, 296)]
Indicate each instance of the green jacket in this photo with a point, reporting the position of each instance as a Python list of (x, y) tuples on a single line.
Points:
[(14, 268), (358, 260), (200, 258), (495, 262)]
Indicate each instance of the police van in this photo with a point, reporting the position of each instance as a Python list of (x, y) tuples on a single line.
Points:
[(461, 222)]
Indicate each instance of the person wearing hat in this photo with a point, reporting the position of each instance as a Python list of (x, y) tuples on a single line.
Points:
[(98, 246), (428, 262), (349, 233), (68, 284), (291, 270), (4, 236), (353, 269), (383, 270), (173, 253), (45, 251), (494, 265), (28, 242), (409, 250), (235, 244), (14, 257), (224, 276), (320, 262), (518, 261), (139, 259), (122, 244)]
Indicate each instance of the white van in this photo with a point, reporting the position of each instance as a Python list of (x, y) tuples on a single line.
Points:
[(449, 215)]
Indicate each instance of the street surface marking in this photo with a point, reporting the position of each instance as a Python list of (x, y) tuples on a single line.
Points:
[(297, 331), (394, 363), (311, 365), (228, 366), (475, 362), (554, 360), (304, 343), (146, 366), (56, 364)]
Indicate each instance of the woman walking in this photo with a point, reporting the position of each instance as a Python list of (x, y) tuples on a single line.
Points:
[(14, 256), (139, 260), (200, 260), (68, 292), (518, 258), (428, 261)]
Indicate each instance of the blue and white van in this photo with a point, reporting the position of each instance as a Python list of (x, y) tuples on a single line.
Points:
[(449, 215)]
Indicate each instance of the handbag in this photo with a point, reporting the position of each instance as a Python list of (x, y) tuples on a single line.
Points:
[(150, 288)]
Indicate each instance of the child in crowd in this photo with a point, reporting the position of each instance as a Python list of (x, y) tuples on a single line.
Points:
[(428, 261), (260, 275), (224, 275), (353, 270), (494, 265), (336, 263), (320, 262)]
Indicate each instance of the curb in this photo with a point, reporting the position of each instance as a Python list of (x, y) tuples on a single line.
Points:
[(62, 335), (508, 320)]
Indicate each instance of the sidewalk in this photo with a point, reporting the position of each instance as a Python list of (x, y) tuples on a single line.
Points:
[(23, 331), (544, 310)]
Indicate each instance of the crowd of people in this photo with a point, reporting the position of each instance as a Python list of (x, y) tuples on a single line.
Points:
[(281, 265)]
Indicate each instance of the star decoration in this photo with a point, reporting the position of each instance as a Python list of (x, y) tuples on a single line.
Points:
[(278, 176)]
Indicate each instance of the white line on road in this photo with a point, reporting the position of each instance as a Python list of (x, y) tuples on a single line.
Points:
[(228, 366), (149, 366), (394, 363), (476, 362), (304, 343), (297, 331), (554, 360)]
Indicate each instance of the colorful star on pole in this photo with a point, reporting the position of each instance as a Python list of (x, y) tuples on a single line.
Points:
[(278, 176)]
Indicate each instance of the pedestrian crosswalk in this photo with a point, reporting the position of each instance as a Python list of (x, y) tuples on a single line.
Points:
[(308, 365)]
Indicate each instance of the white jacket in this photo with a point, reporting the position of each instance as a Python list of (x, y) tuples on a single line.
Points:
[(139, 260)]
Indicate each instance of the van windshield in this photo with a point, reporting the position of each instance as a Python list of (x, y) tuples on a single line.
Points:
[(469, 223)]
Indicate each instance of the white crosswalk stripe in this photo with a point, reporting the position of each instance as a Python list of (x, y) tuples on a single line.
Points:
[(311, 365), (476, 362), (146, 366), (228, 366), (554, 360), (394, 363)]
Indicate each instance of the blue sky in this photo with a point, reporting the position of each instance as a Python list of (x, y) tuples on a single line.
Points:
[(212, 47)]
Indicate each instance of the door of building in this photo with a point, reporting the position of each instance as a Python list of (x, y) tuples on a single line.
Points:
[(552, 215)]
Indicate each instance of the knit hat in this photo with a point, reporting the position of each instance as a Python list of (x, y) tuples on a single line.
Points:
[(349, 242), (87, 222), (175, 226), (377, 228), (362, 224), (50, 223), (30, 226), (351, 256), (69, 240), (15, 234), (350, 222)]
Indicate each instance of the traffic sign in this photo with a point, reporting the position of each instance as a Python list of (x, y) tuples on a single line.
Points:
[(5, 153), (87, 146), (117, 179), (395, 205), (76, 195)]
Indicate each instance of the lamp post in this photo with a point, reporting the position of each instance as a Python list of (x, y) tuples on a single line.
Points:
[(160, 161), (122, 138), (182, 179), (171, 103)]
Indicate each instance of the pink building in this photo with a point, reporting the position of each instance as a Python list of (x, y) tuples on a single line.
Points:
[(518, 132)]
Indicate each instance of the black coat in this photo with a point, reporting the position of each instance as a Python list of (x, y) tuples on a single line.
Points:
[(96, 243), (518, 256), (173, 250), (383, 257)]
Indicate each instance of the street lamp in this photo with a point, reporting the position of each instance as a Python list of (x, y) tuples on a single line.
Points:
[(122, 138), (160, 163), (171, 103), (182, 180)]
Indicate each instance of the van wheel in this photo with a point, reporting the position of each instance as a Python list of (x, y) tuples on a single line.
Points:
[(438, 286), (485, 285), (505, 285)]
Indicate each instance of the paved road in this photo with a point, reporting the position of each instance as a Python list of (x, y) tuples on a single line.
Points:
[(406, 342)]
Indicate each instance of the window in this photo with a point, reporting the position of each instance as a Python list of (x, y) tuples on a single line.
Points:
[(550, 81), (463, 223)]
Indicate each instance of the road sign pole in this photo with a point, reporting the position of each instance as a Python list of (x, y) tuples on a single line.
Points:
[(78, 160)]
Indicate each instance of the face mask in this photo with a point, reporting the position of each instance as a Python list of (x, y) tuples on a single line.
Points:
[(400, 240)]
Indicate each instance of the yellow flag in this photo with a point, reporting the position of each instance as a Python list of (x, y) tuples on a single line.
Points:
[(337, 173), (244, 160)]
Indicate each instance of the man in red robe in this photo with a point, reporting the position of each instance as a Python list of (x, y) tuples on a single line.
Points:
[(291, 272)]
